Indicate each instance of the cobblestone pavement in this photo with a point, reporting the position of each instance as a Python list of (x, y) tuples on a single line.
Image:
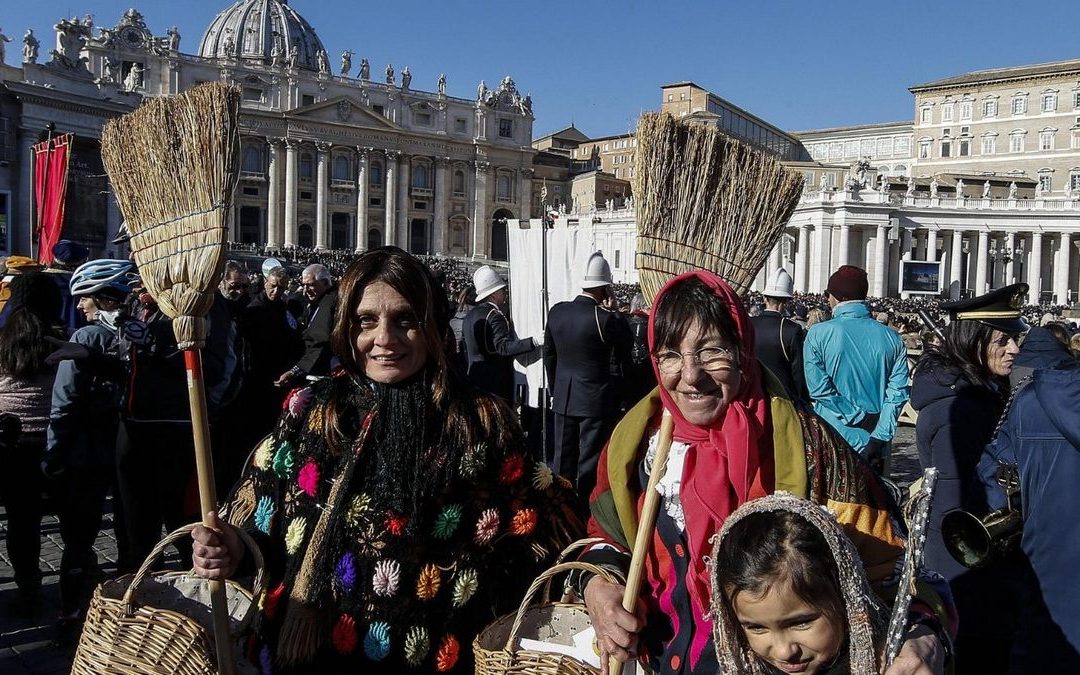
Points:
[(28, 645)]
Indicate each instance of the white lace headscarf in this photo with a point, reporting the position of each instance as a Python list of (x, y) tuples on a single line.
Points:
[(866, 616)]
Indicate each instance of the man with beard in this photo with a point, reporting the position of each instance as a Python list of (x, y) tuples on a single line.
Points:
[(234, 288), (317, 321)]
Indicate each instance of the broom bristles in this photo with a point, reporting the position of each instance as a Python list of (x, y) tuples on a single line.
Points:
[(706, 201), (173, 167)]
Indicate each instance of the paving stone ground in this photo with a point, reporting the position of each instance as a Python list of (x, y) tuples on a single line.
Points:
[(28, 645)]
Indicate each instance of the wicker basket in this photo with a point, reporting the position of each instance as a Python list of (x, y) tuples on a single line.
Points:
[(161, 624), (496, 647)]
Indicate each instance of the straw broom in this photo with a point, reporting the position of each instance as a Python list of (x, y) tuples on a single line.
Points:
[(705, 202), (173, 167)]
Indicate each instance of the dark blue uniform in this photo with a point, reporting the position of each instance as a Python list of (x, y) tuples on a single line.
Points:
[(491, 345), (581, 343), (778, 343)]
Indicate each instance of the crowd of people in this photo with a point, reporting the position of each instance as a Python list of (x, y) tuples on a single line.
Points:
[(368, 435)]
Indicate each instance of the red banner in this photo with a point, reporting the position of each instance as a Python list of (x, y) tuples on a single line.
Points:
[(50, 190)]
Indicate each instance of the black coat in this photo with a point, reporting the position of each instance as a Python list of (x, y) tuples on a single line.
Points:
[(319, 320), (491, 345), (779, 345), (273, 344), (581, 343)]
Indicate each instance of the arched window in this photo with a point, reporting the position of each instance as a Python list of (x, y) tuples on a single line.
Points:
[(252, 160), (459, 182), (305, 236), (306, 166), (504, 190), (375, 173), (374, 238), (341, 168), (420, 176)]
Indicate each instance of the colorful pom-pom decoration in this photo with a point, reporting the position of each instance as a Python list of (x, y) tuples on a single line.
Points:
[(357, 508), (524, 522), (377, 641), (512, 469), (487, 527), (345, 571), (417, 644), (264, 453), (395, 524), (473, 459), (316, 418), (284, 463), (465, 586), (264, 514), (447, 656), (542, 477), (427, 585), (386, 578), (446, 522), (308, 479), (344, 635), (299, 400), (294, 535)]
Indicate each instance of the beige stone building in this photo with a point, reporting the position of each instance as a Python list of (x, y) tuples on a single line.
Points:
[(331, 158)]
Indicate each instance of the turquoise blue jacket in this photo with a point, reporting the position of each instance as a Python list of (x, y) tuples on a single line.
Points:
[(857, 374)]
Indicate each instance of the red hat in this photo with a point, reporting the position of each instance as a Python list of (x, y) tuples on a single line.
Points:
[(848, 283)]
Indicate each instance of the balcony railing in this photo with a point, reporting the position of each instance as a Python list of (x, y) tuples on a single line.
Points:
[(258, 176), (417, 191)]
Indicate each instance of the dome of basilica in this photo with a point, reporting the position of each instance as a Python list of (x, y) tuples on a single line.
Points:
[(264, 31)]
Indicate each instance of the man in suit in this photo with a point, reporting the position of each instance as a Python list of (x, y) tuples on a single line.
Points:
[(778, 340), (317, 322), (490, 341), (581, 342)]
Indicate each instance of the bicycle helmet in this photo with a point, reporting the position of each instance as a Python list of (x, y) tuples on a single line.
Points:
[(116, 277)]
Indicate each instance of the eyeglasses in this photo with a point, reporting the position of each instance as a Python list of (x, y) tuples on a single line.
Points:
[(709, 358)]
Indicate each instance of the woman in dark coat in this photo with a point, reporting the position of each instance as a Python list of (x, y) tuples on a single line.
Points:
[(959, 389)]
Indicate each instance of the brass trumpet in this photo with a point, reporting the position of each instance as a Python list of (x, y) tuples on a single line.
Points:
[(975, 542)]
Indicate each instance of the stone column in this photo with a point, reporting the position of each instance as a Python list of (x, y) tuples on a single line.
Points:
[(776, 259), (525, 193), (291, 175), (404, 203), (821, 266), (802, 259), (956, 263), (390, 197), (1061, 269), (907, 250), (19, 237), (273, 196), (1010, 269), (931, 244), (361, 197), (981, 259), (322, 193), (480, 215), (881, 261), (442, 204), (844, 245), (1034, 267)]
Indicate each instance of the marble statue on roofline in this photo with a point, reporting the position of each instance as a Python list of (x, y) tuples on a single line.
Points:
[(365, 69), (346, 62), (986, 190), (389, 73), (1012, 189), (442, 84), (406, 78), (30, 47)]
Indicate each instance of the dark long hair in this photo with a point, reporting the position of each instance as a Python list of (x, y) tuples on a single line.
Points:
[(22, 344), (685, 303), (456, 403), (964, 348), (767, 547)]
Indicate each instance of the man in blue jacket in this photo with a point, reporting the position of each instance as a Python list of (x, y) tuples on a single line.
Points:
[(856, 369), (1041, 436)]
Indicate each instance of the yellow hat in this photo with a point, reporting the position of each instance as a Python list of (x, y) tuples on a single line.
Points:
[(19, 264)]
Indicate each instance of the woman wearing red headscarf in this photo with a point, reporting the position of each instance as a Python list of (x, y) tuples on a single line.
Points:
[(736, 438)]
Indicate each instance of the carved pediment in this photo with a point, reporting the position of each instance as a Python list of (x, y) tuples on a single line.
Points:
[(342, 110)]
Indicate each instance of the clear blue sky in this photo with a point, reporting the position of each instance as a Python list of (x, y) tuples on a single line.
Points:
[(799, 65)]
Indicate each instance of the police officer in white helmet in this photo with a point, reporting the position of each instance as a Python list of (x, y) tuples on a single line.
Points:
[(582, 344), (490, 341)]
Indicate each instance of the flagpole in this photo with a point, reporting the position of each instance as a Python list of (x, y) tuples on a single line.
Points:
[(36, 232)]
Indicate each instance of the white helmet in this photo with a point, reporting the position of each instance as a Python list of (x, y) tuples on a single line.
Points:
[(117, 276), (486, 281), (781, 285), (597, 272)]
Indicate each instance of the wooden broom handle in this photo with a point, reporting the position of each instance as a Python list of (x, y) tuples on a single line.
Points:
[(204, 467), (646, 524)]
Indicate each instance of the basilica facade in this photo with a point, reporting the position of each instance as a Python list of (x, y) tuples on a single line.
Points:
[(344, 157)]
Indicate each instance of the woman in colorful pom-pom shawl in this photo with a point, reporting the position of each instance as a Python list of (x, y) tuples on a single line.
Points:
[(397, 506), (736, 438)]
